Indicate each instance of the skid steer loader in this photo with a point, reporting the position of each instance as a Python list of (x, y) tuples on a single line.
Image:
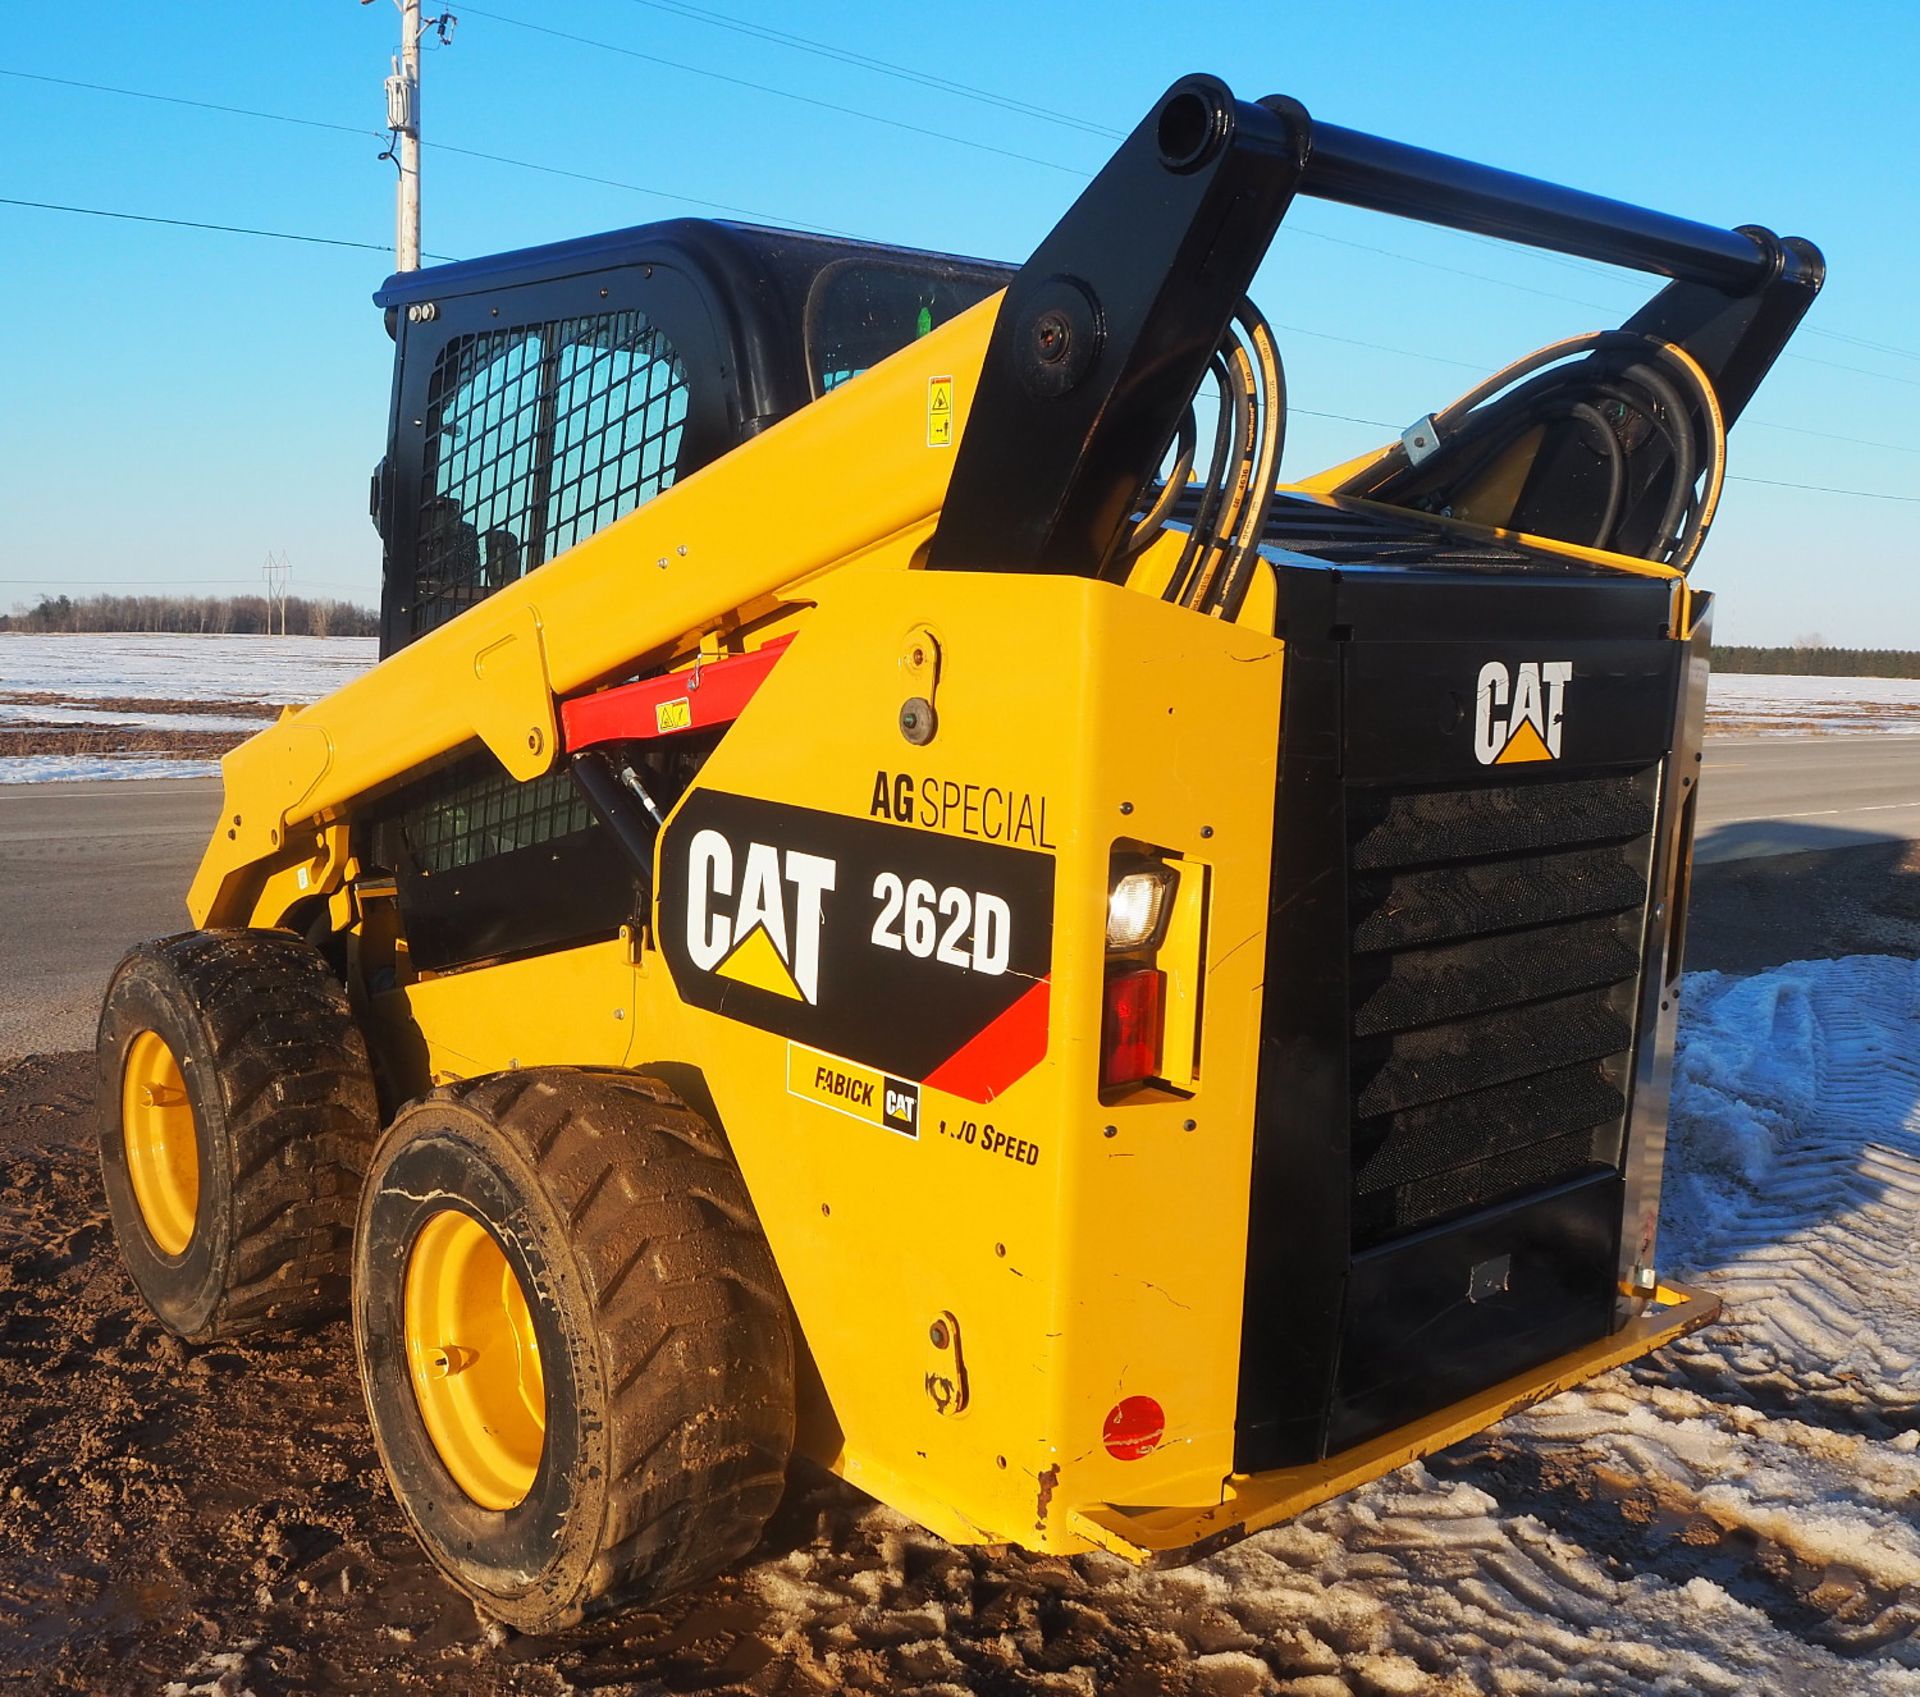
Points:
[(896, 895)]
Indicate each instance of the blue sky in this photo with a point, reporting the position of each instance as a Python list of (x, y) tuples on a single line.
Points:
[(177, 403)]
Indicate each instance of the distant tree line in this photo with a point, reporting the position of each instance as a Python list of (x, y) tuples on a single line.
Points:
[(1818, 662), (213, 615)]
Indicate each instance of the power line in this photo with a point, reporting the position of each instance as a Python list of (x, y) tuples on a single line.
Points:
[(439, 146), (885, 67), (197, 224), (1832, 436), (1047, 114), (1342, 417), (1379, 348), (1857, 370), (1823, 489), (202, 105), (769, 88), (642, 188), (159, 583), (1865, 342)]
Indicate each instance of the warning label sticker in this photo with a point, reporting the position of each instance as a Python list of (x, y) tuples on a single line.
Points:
[(860, 1092), (939, 412), (673, 715)]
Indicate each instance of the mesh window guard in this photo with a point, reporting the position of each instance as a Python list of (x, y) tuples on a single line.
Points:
[(538, 436), (473, 812)]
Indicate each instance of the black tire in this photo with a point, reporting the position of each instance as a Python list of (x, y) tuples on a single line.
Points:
[(663, 1331), (284, 1120)]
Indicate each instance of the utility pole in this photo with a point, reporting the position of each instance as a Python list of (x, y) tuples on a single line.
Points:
[(403, 118)]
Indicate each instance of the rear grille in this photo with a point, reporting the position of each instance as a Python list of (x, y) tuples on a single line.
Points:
[(1495, 937)]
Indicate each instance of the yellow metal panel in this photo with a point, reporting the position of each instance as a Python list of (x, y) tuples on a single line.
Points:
[(511, 698), (1063, 1308), (572, 1007)]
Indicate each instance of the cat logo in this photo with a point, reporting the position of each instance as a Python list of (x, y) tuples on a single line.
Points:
[(1517, 712), (761, 927)]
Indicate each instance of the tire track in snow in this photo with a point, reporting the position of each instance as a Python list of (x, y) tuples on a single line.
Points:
[(1794, 1186)]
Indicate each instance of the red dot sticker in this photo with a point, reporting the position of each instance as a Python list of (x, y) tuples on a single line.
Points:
[(1134, 1428)]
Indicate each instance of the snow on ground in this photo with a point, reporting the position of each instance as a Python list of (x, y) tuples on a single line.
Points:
[(47, 681), (54, 768), (183, 668), (1746, 705), (1734, 1517)]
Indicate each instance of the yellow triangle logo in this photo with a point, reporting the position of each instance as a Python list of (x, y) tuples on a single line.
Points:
[(1524, 744), (755, 961)]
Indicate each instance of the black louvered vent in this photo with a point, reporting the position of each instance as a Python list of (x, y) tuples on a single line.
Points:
[(1496, 937)]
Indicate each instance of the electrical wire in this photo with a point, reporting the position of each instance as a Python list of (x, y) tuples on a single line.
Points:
[(1822, 488), (1294, 228), (773, 89), (968, 91), (757, 214), (197, 224), (884, 67)]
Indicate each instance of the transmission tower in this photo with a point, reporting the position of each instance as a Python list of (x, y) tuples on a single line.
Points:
[(278, 571)]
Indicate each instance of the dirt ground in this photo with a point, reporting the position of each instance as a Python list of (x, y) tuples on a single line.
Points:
[(214, 1520)]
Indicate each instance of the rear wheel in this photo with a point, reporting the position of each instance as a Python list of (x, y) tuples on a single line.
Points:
[(236, 1117), (575, 1348)]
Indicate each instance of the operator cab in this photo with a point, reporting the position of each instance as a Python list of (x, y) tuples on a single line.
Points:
[(540, 395)]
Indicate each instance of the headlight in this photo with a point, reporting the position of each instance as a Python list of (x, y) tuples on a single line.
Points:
[(1136, 905)]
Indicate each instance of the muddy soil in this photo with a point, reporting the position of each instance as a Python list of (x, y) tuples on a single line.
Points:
[(1749, 915), (184, 1519), (38, 738), (141, 704)]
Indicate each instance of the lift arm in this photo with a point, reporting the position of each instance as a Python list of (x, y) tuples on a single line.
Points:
[(1109, 328)]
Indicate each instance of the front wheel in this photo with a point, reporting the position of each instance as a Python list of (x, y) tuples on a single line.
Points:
[(575, 1348)]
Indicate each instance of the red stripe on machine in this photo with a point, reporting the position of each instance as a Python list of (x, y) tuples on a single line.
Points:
[(1008, 1049)]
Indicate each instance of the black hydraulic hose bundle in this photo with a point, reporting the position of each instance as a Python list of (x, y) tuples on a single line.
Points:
[(1222, 544), (1626, 390)]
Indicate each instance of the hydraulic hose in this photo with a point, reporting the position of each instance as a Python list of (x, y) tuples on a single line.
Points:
[(1657, 382)]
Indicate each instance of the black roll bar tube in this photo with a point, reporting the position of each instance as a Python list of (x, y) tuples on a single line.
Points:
[(1394, 177)]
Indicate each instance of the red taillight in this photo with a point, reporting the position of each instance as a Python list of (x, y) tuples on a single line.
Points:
[(1135, 1425), (1131, 1023)]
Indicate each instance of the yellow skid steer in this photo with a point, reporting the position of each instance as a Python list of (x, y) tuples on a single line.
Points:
[(896, 894)]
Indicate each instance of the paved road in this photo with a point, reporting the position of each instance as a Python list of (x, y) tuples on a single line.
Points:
[(86, 869), (1787, 795)]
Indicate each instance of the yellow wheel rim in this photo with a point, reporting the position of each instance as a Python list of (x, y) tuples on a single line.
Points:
[(163, 1153), (474, 1360)]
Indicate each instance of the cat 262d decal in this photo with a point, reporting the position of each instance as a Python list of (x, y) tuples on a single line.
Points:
[(922, 955)]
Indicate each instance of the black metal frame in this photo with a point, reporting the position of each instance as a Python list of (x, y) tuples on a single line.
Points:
[(1107, 331)]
